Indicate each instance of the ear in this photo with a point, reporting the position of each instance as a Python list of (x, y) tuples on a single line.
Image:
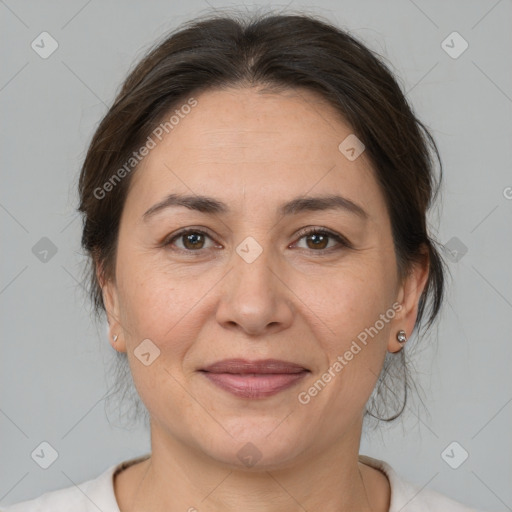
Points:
[(409, 294), (111, 302)]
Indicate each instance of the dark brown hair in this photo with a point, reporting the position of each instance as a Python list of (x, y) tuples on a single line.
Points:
[(275, 51)]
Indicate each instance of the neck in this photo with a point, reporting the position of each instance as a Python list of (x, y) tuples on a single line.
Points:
[(178, 477)]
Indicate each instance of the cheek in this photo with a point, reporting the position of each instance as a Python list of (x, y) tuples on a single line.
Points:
[(156, 307), (165, 305), (352, 332), (346, 302)]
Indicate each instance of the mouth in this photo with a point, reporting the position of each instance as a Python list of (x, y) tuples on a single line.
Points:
[(254, 379)]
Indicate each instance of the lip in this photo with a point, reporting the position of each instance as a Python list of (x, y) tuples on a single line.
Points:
[(254, 379), (244, 366)]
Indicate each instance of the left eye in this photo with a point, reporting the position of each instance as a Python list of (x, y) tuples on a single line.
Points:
[(317, 239)]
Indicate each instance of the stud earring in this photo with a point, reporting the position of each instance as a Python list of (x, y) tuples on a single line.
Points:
[(115, 337), (401, 337)]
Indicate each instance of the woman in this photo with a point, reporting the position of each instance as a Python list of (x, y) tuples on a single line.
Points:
[(255, 214)]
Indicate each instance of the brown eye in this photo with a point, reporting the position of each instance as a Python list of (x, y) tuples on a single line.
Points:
[(191, 240), (318, 240)]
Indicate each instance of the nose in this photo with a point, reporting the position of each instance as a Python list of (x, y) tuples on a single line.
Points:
[(255, 298)]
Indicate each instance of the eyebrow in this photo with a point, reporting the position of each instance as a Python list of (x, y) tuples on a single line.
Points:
[(212, 206)]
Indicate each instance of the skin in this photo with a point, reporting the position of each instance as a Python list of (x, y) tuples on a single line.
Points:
[(295, 302)]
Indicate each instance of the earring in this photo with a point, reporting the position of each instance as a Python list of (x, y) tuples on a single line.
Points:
[(115, 337), (401, 337)]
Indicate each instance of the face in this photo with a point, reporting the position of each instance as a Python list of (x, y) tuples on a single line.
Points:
[(253, 280)]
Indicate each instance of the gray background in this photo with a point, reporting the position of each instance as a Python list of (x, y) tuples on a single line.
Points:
[(55, 362)]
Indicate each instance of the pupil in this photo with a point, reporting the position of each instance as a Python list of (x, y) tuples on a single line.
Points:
[(193, 238), (318, 240)]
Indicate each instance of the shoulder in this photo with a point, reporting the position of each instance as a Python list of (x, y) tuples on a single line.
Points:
[(408, 497), (90, 496)]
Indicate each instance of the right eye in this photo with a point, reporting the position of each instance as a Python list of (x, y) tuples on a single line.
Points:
[(193, 240)]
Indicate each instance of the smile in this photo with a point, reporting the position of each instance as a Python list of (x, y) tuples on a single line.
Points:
[(254, 379)]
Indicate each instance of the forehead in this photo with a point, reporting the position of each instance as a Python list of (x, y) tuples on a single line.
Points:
[(230, 124), (242, 145)]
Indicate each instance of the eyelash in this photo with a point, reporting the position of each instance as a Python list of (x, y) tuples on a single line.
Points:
[(342, 241)]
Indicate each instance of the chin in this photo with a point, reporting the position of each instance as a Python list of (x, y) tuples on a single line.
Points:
[(256, 444), (256, 456)]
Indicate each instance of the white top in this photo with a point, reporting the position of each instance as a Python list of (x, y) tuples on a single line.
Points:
[(98, 494)]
